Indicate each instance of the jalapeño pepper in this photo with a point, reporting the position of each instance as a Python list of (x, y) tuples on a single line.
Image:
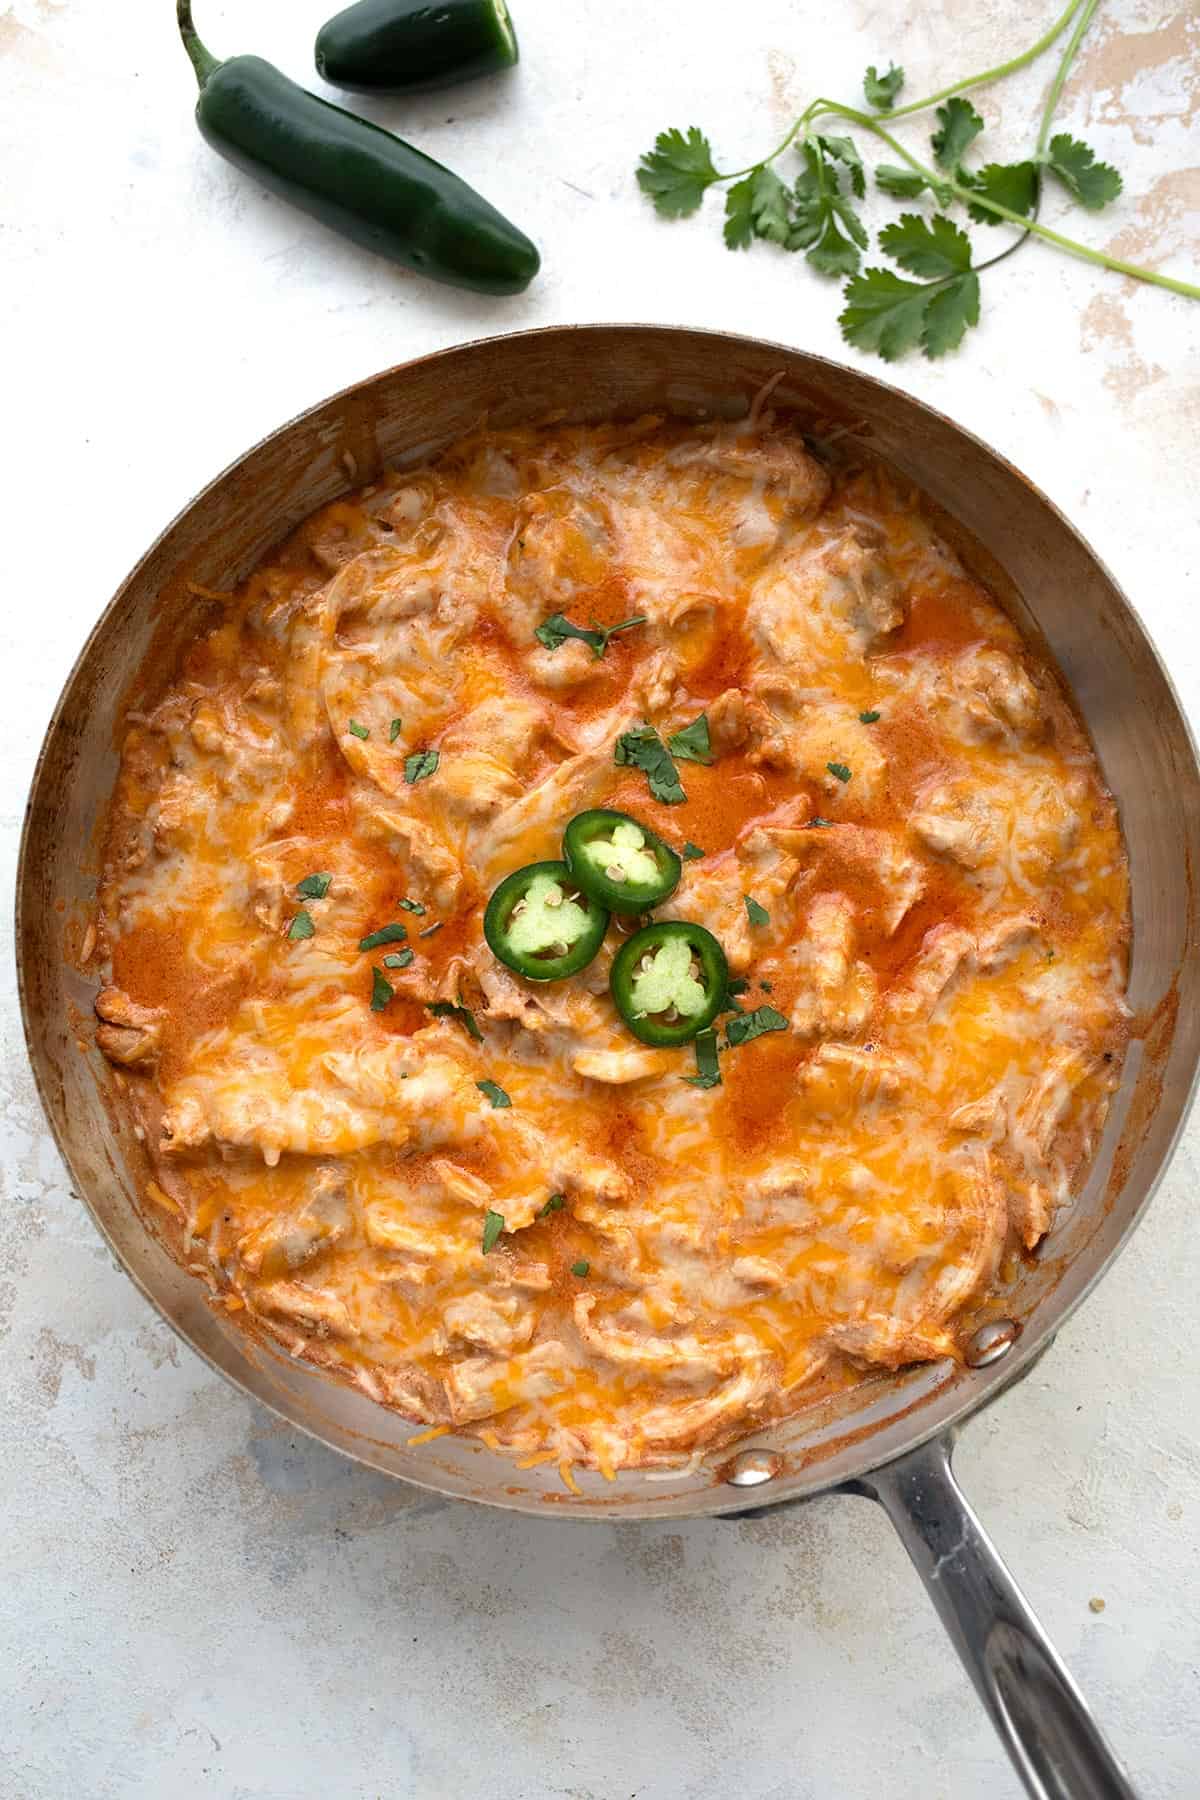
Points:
[(412, 46), (372, 187), (540, 923), (619, 862), (668, 981)]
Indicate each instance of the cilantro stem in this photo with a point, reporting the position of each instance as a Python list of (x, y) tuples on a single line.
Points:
[(1060, 76), (999, 71)]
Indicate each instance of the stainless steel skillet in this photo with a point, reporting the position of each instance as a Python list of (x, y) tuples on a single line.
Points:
[(891, 1439)]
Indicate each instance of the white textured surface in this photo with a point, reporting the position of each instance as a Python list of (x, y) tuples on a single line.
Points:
[(191, 1599)]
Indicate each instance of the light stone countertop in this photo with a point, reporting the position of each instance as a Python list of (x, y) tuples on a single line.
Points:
[(194, 1600)]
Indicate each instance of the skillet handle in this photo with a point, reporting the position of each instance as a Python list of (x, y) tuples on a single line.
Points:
[(1041, 1716)]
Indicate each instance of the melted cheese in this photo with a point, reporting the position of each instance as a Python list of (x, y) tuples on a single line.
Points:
[(896, 780)]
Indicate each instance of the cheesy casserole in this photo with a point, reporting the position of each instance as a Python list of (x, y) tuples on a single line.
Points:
[(481, 1198)]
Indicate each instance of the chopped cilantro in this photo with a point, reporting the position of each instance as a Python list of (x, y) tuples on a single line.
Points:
[(692, 744), (644, 749), (494, 1092), (314, 887), (420, 765), (413, 906), (757, 915), (708, 1073), (840, 770), (554, 1204), (580, 1268), (868, 718), (751, 1025), (357, 730), (817, 823), (445, 1009), (387, 934), (553, 632), (732, 990), (493, 1225), (394, 730), (381, 990), (691, 852), (400, 959), (301, 927)]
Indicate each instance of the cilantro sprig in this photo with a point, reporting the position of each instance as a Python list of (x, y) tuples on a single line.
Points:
[(816, 209)]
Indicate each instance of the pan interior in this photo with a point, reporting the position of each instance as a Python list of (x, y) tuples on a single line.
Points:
[(1006, 533)]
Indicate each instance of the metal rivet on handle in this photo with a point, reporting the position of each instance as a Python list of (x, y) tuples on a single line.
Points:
[(753, 1467), (991, 1342)]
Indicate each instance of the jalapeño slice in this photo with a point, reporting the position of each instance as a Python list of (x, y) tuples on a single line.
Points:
[(540, 923), (668, 981), (620, 862)]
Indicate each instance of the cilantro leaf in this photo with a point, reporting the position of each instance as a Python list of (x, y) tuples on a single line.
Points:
[(692, 852), (949, 313), (1014, 185), (901, 183), (817, 823), (822, 210), (675, 174), (493, 1225), (494, 1092), (739, 230), (381, 990), (553, 1204), (413, 906), (748, 1026), (644, 749), (845, 150), (394, 730), (881, 90), (889, 315), (446, 1009), (314, 887), (580, 1268), (883, 313), (960, 126), (757, 915), (400, 959), (554, 632), (708, 1072), (839, 770), (420, 765), (357, 730), (692, 744), (758, 206), (908, 184), (1092, 183), (868, 718), (932, 247), (387, 934), (301, 927)]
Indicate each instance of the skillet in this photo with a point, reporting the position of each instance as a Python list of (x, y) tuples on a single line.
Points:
[(891, 1438)]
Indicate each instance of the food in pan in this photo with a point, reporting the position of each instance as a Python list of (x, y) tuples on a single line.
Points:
[(606, 1041)]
